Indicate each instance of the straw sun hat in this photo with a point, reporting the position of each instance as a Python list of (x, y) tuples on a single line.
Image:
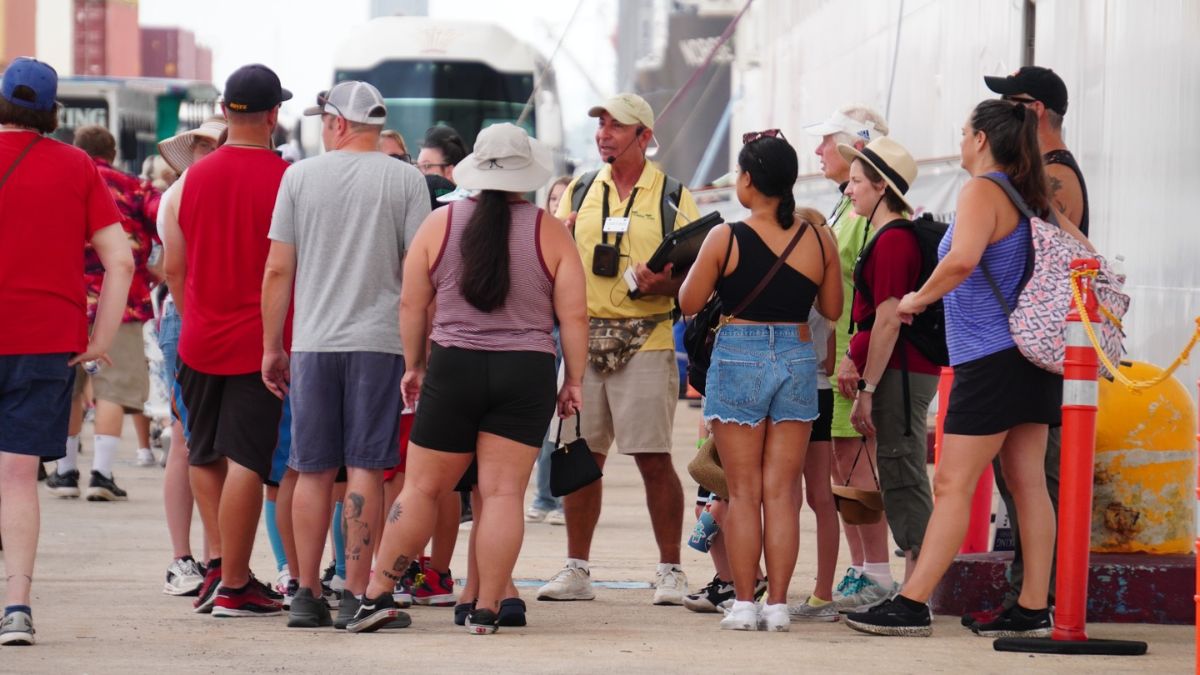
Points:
[(177, 150), (890, 160)]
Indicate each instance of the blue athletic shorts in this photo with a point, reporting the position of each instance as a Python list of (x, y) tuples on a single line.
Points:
[(283, 449), (760, 372), (35, 404)]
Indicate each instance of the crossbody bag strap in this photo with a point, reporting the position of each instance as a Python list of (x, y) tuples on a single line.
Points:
[(779, 262), (12, 167)]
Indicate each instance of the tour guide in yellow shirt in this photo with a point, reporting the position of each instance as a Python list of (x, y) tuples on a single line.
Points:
[(632, 382)]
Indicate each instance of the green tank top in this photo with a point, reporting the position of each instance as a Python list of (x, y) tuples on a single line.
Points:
[(852, 232)]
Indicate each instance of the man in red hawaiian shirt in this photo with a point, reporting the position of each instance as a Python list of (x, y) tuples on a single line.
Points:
[(123, 387)]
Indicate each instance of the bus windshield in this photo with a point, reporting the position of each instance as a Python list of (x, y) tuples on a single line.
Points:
[(464, 95)]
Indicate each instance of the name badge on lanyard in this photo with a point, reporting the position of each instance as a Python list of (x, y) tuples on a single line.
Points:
[(616, 225)]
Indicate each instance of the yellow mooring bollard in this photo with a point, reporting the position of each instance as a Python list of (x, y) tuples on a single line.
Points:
[(1144, 497)]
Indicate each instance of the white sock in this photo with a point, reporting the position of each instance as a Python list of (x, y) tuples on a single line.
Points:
[(858, 569), (69, 463), (663, 568), (142, 451), (880, 573), (106, 452), (581, 564)]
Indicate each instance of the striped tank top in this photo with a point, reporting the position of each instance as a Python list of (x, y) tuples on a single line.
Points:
[(976, 324), (525, 322)]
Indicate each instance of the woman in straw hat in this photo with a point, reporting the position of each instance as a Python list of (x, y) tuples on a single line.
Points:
[(1001, 404), (897, 381), (761, 395), (501, 270)]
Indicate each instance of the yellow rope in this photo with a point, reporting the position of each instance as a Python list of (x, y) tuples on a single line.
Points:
[(1135, 385)]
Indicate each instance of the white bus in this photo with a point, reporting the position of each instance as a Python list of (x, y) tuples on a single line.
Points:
[(466, 74), (139, 111)]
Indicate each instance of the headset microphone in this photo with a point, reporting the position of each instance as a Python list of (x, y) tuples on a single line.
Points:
[(611, 159)]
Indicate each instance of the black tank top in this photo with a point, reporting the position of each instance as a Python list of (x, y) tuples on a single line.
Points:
[(788, 296), (1065, 158)]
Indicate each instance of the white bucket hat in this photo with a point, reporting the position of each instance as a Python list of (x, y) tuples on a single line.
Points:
[(505, 159), (890, 160), (177, 150)]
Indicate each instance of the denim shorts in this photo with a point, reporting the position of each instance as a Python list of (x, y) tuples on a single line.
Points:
[(760, 372)]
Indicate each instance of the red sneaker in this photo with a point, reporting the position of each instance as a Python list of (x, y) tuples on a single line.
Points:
[(434, 588), (250, 600), (208, 590), (983, 616)]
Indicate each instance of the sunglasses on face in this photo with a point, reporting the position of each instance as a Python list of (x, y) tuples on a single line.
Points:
[(751, 136)]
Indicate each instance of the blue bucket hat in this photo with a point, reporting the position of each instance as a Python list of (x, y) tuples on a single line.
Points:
[(38, 77)]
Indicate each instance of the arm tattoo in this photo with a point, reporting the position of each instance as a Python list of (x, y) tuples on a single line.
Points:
[(395, 512)]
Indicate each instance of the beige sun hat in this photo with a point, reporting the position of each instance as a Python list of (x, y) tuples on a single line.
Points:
[(505, 159), (177, 150), (890, 160)]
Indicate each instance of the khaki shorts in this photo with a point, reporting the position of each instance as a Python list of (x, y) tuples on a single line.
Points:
[(634, 405), (907, 498), (127, 381)]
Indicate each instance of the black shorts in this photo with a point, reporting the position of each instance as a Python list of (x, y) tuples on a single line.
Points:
[(822, 427), (466, 392), (997, 392), (230, 416)]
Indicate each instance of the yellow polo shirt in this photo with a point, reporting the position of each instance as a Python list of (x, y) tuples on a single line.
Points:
[(608, 297)]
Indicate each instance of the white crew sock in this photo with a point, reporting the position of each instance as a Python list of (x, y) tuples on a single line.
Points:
[(880, 573), (857, 568), (576, 562), (69, 463), (106, 452), (663, 568)]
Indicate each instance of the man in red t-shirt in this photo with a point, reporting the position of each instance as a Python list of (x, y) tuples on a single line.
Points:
[(215, 257), (52, 202), (124, 386)]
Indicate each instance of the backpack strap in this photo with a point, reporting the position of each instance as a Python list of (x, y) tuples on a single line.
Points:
[(669, 206), (581, 189), (1016, 198)]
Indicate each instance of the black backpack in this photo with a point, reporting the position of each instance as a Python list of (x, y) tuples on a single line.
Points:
[(927, 332), (668, 205)]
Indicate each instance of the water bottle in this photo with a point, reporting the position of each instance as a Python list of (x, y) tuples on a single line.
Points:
[(92, 367), (1117, 267)]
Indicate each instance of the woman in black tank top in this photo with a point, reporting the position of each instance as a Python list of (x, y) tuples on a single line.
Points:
[(762, 384)]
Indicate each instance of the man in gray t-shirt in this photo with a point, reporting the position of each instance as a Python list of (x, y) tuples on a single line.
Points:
[(342, 224)]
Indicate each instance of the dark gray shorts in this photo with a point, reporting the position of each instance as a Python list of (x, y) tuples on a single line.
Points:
[(345, 410)]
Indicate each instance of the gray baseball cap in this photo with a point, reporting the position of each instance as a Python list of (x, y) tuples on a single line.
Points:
[(353, 100)]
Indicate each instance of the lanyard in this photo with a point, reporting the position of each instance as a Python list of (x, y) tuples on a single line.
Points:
[(604, 215)]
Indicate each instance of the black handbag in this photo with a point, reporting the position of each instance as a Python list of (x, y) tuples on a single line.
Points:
[(700, 334), (572, 465)]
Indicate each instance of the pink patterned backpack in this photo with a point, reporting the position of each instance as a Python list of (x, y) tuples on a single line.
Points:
[(1038, 322)]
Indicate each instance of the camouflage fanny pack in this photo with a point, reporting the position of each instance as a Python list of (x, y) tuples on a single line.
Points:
[(612, 342)]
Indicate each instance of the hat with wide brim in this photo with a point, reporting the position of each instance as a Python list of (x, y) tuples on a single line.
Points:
[(177, 150), (705, 468), (505, 159), (890, 160), (858, 506)]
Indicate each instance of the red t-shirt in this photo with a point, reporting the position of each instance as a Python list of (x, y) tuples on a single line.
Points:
[(51, 206), (891, 271), (225, 213)]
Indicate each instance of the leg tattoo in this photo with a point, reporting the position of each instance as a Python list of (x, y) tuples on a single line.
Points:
[(357, 531), (395, 512)]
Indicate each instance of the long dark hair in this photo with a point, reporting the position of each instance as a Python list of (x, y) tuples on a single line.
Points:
[(484, 278), (773, 167), (1012, 133)]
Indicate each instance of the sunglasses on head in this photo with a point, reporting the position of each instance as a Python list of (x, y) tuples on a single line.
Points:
[(751, 136), (323, 100)]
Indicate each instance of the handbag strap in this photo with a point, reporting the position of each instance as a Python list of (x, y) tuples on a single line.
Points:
[(779, 262), (12, 167), (578, 430), (861, 447)]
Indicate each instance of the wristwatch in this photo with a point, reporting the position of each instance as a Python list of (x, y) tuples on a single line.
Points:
[(863, 386)]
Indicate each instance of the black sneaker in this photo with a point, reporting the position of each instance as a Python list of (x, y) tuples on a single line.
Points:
[(512, 612), (346, 610), (104, 489), (376, 613), (266, 589), (1017, 621), (482, 622), (65, 485), (710, 598), (461, 610), (42, 472), (894, 616), (308, 611)]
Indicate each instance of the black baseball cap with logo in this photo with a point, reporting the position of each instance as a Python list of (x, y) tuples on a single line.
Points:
[(1039, 83), (254, 88)]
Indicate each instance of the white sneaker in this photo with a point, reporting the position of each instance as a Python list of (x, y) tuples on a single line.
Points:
[(743, 615), (806, 612), (556, 517), (145, 457), (571, 583), (670, 586), (183, 577), (775, 618), (281, 581), (535, 515)]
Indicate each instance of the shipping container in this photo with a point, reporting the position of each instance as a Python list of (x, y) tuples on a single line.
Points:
[(169, 52), (18, 29), (106, 38)]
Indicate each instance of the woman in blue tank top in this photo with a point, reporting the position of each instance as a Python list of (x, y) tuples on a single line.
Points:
[(762, 385), (1000, 404)]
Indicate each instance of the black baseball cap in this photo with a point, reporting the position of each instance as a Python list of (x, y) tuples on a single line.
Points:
[(1040, 83), (254, 88)]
